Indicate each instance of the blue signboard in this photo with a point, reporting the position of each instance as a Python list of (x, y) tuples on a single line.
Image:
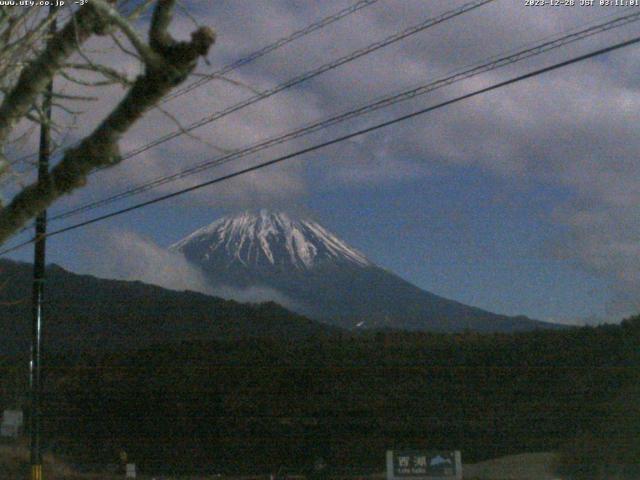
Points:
[(415, 464)]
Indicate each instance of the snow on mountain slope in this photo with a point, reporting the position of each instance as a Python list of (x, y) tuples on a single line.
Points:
[(323, 277), (269, 238)]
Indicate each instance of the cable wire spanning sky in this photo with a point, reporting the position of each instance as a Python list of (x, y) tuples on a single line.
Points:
[(457, 76), (523, 200)]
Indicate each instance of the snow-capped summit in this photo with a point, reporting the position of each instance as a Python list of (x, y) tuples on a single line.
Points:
[(299, 263), (267, 238)]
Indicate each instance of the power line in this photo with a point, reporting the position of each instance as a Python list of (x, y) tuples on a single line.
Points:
[(431, 22), (257, 54), (336, 140), (274, 46), (494, 63)]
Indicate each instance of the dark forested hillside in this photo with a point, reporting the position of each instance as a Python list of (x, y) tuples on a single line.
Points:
[(252, 404), (186, 382), (85, 313)]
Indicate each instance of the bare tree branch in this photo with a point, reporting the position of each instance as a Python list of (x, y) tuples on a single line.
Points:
[(103, 70), (189, 134), (171, 63), (149, 56), (124, 49), (35, 77)]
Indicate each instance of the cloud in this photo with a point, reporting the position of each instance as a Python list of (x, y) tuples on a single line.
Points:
[(574, 129), (125, 255), (255, 295)]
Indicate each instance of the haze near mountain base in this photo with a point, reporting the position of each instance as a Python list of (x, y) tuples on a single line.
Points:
[(326, 279)]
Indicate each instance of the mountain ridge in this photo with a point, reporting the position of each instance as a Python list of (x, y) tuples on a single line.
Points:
[(83, 312), (327, 279)]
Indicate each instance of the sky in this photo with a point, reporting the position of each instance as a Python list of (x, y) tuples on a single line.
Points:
[(521, 201)]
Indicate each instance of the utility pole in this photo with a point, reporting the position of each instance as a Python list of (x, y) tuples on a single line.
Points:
[(38, 282)]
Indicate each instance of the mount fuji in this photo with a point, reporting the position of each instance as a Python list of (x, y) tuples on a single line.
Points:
[(325, 278)]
